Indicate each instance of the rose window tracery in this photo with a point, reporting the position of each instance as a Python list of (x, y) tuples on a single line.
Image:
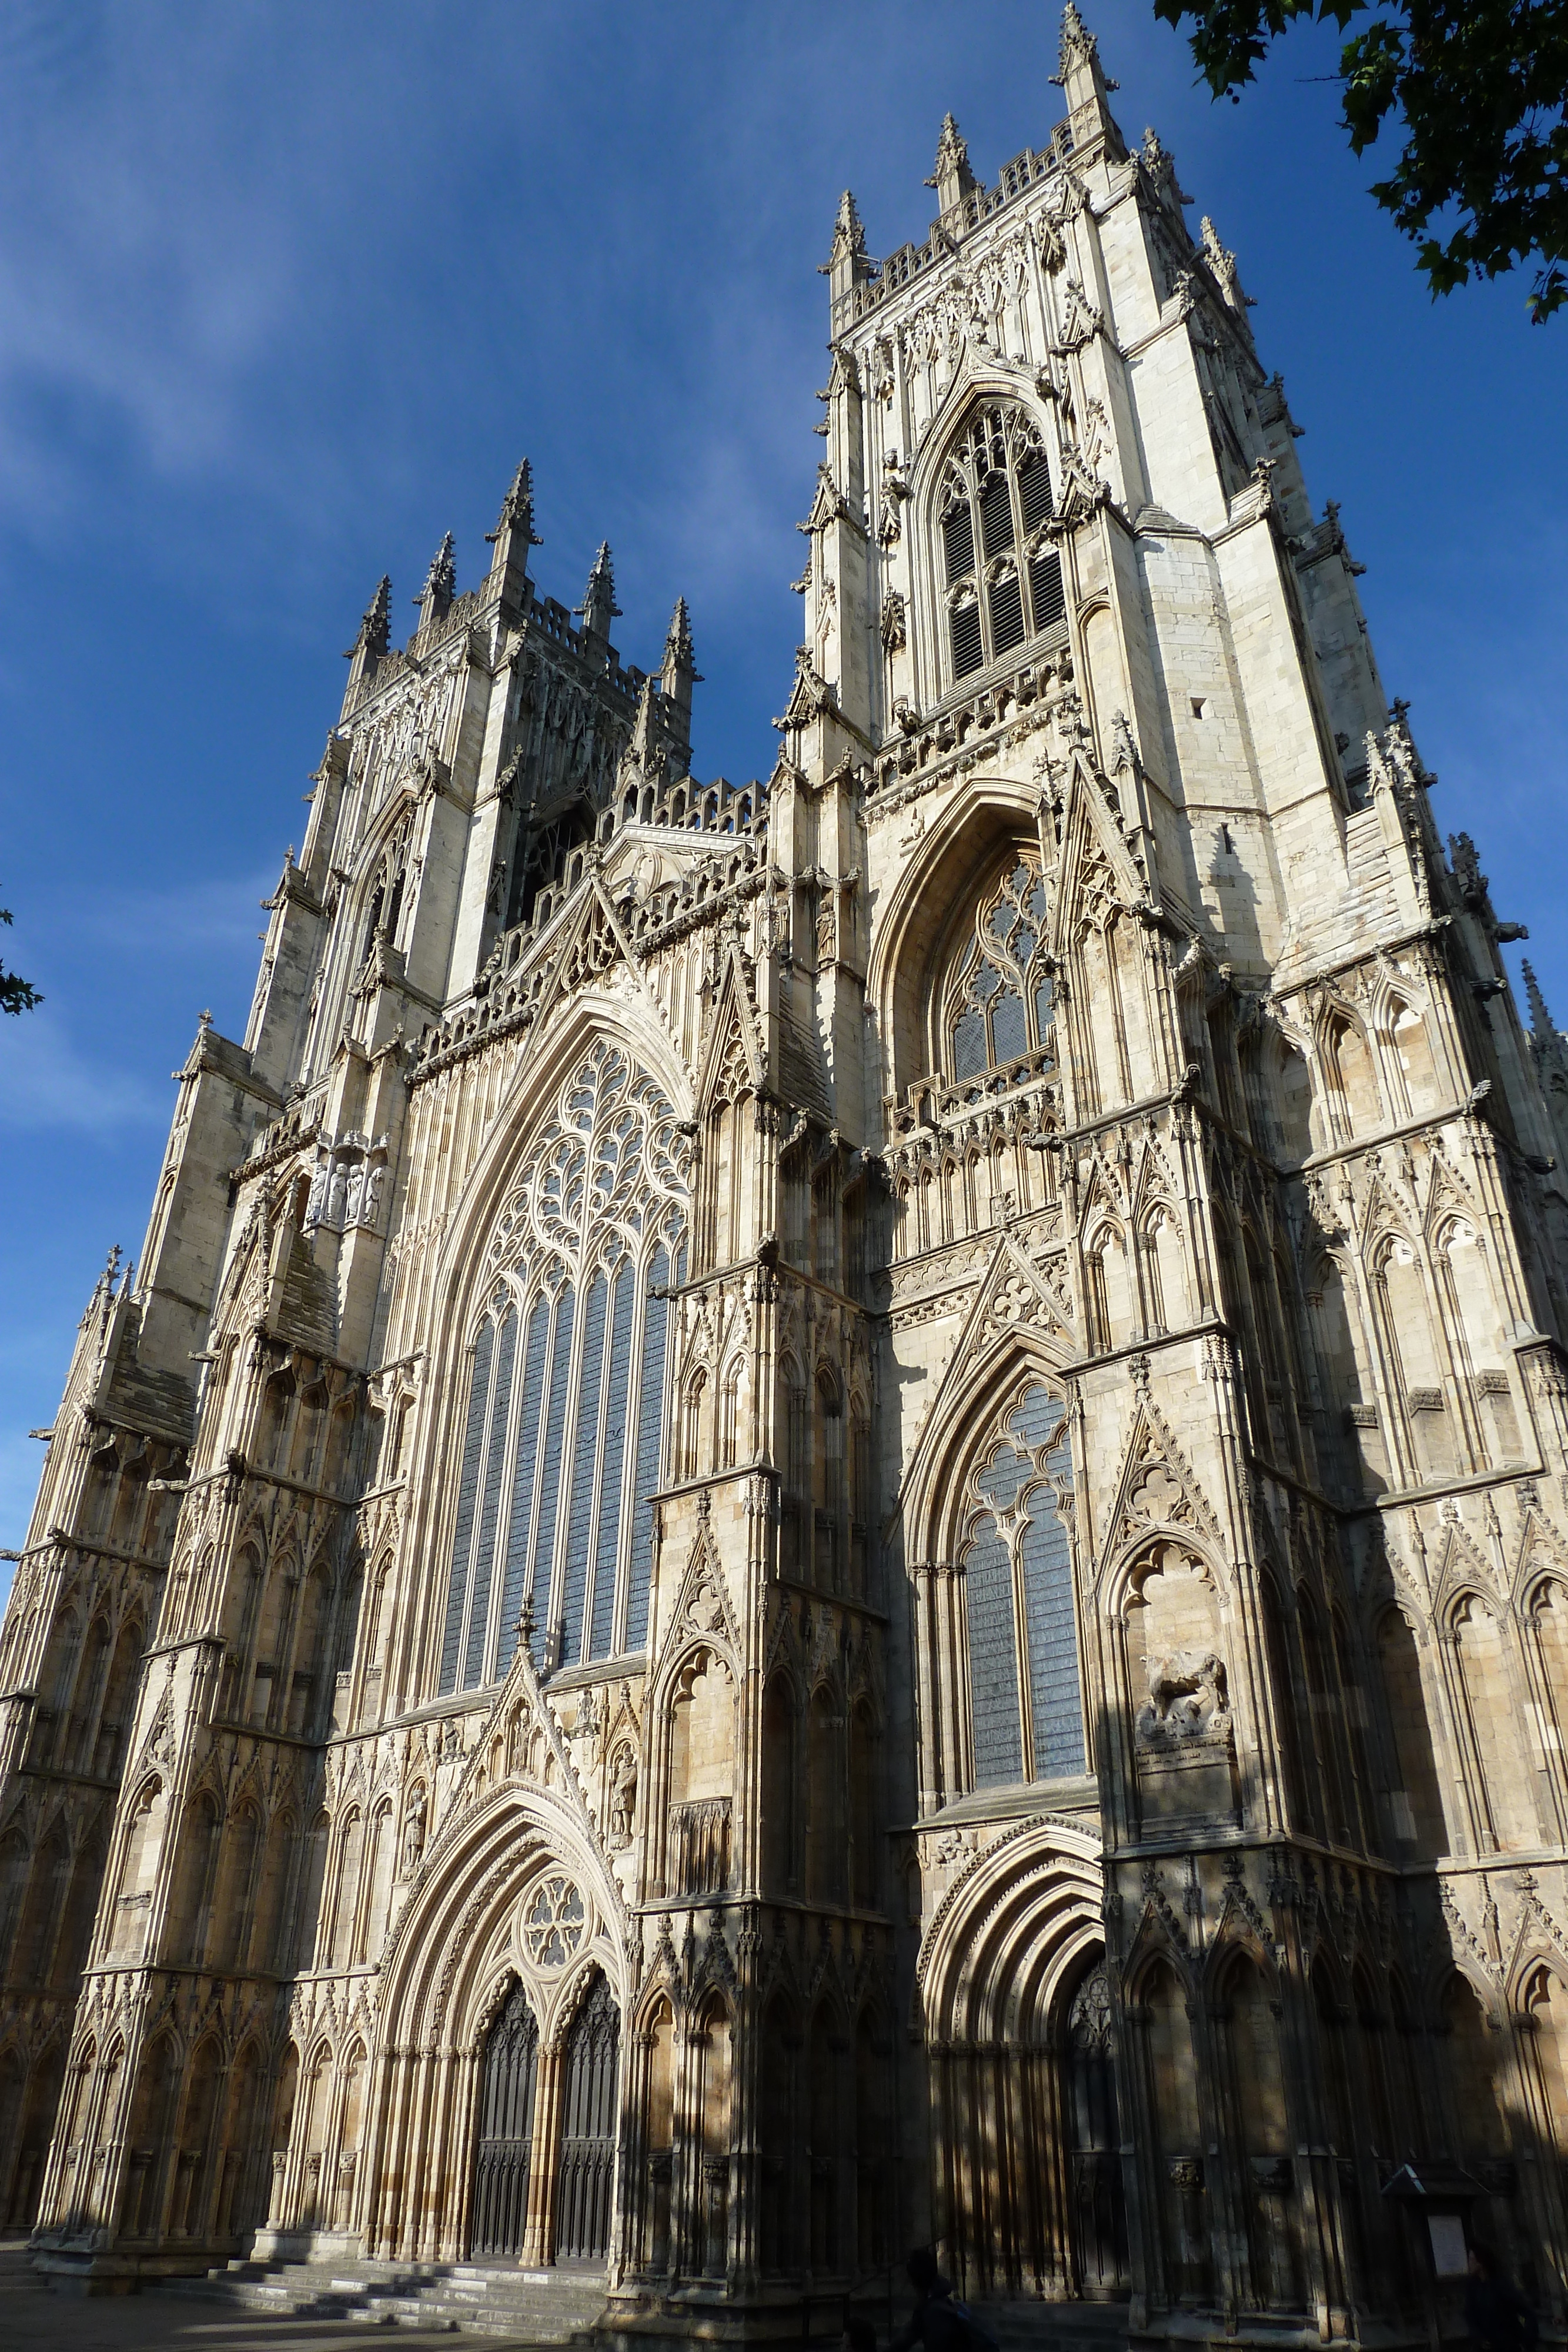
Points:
[(553, 1922), (562, 1439)]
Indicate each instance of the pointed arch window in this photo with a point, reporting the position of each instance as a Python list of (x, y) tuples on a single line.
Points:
[(561, 1452), (996, 1005), (1027, 1707), (1001, 577)]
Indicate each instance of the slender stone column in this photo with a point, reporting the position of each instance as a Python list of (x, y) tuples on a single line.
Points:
[(544, 2163)]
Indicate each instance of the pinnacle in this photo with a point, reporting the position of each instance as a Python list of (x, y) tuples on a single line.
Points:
[(678, 639), (376, 626), (1080, 52), (441, 579), (517, 510), (599, 599), (1075, 34), (849, 235), (952, 155), (1540, 1023), (848, 228)]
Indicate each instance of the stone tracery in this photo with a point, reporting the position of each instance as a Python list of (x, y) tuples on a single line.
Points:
[(567, 1392)]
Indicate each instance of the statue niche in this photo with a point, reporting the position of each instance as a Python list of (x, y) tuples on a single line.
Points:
[(1179, 1689)]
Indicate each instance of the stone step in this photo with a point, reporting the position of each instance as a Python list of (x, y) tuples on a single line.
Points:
[(472, 2297)]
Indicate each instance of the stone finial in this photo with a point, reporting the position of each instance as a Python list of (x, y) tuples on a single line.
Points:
[(952, 178), (1078, 43), (440, 582), (599, 607)]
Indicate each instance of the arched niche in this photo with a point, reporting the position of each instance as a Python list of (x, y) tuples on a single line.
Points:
[(1176, 1669)]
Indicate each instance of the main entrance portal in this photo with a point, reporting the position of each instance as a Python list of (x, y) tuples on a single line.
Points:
[(518, 2136)]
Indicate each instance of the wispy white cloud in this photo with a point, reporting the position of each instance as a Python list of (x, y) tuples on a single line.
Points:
[(211, 912), (47, 1081)]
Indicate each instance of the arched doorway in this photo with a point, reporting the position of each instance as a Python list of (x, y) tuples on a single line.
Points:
[(509, 2078), (586, 2177), (1026, 2132)]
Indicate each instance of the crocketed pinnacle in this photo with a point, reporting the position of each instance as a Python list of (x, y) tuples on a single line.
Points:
[(951, 150), (599, 607), (517, 513), (375, 629), (441, 579), (678, 650), (1540, 1022)]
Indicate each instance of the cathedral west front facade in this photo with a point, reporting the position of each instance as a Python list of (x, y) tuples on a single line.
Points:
[(834, 1513)]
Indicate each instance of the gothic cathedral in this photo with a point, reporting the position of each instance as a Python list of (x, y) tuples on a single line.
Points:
[(834, 1513)]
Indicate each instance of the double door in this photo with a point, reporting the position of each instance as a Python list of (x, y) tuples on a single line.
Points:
[(569, 2141)]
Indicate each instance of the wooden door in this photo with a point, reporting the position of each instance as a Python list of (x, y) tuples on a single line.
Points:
[(586, 2180), (507, 2081)]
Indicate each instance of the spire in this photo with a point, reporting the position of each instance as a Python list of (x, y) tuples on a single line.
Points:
[(952, 178), (514, 533), (1082, 83), (440, 584), (679, 673), (599, 607), (1541, 1023)]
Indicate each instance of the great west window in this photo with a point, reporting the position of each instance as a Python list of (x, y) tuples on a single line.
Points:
[(1002, 577), (565, 1410)]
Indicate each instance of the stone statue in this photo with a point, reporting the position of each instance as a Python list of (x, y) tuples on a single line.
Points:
[(414, 1822), (622, 1797)]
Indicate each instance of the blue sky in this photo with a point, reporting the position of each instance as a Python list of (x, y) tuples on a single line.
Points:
[(287, 291)]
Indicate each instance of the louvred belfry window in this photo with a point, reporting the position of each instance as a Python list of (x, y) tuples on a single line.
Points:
[(560, 1450), (996, 1005), (1001, 575)]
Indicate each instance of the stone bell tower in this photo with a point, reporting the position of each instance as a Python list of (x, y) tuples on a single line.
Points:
[(831, 1512)]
